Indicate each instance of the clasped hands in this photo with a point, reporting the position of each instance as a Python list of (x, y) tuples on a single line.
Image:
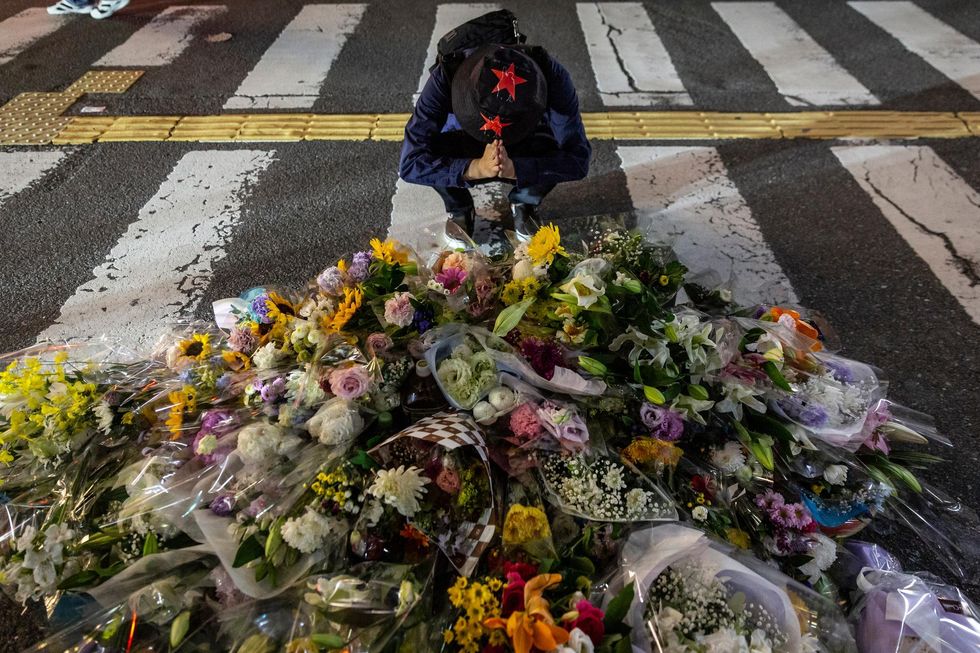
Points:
[(495, 162)]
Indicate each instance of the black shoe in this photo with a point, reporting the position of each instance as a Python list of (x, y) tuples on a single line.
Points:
[(525, 221), (459, 229)]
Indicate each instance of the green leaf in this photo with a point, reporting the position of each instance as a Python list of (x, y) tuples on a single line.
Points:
[(653, 395), (274, 540), (328, 641), (619, 607), (592, 366), (81, 579), (902, 474), (761, 447), (565, 297), (776, 376), (510, 317), (624, 646), (582, 565), (248, 550), (179, 628), (363, 460), (150, 545), (770, 426)]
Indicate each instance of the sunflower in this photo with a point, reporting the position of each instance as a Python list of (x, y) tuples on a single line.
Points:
[(389, 251), (545, 245), (189, 351), (181, 401), (279, 308), (336, 321)]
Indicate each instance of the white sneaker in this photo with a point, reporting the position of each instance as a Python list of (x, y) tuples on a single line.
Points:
[(108, 7), (70, 7)]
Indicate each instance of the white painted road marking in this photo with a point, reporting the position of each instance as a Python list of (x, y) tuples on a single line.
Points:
[(21, 30), (290, 73), (449, 16), (159, 269), (18, 170), (632, 66), (163, 39), (804, 72), (942, 47), (930, 206), (683, 197)]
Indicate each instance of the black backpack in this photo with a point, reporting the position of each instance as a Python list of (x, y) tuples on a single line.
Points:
[(497, 27)]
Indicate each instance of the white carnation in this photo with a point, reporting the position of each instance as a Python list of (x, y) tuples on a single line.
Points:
[(307, 533), (336, 422), (266, 357), (261, 444)]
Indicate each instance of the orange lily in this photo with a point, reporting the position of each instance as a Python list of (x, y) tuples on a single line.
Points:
[(534, 627), (805, 328)]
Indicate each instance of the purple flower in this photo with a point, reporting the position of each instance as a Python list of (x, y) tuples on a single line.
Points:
[(782, 515), (799, 516), (664, 423), (271, 391), (877, 416), (259, 309), (257, 507), (331, 281), (223, 505), (423, 320), (243, 340), (451, 279), (360, 268), (840, 371), (769, 500), (219, 422), (573, 434), (806, 413), (378, 344)]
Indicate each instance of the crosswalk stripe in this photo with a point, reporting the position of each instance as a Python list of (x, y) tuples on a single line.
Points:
[(449, 16), (163, 39), (804, 73), (18, 32), (18, 170), (683, 196), (941, 46), (290, 73), (930, 206), (632, 67), (159, 269)]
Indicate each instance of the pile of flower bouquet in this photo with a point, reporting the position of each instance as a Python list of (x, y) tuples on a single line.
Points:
[(568, 448)]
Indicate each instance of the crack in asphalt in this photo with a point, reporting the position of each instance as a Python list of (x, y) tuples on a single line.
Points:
[(963, 263), (610, 30)]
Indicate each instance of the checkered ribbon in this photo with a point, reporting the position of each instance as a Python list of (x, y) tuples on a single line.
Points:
[(470, 540)]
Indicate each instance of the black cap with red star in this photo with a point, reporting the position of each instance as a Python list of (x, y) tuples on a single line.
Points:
[(499, 92)]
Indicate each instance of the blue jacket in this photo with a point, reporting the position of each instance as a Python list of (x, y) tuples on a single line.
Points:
[(433, 114)]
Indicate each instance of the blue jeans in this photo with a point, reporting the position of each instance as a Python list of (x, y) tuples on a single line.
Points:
[(459, 144)]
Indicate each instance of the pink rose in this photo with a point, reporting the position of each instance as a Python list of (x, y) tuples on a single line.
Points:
[(398, 309), (378, 345), (350, 382)]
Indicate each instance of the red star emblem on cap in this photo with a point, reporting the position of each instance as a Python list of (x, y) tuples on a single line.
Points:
[(507, 81), (494, 125)]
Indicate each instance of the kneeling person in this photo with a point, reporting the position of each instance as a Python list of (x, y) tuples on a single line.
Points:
[(507, 113)]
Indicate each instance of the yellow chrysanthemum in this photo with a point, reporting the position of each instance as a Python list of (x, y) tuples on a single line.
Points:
[(337, 320), (738, 537), (644, 452), (342, 265), (545, 245), (525, 524), (389, 251)]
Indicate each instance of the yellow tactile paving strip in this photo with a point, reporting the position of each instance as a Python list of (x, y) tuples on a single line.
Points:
[(37, 119)]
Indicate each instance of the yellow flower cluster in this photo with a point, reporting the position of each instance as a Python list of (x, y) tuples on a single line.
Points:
[(45, 406), (279, 309), (545, 245), (389, 251), (476, 602), (738, 537), (518, 290), (181, 401), (335, 322), (645, 452), (333, 486), (525, 524)]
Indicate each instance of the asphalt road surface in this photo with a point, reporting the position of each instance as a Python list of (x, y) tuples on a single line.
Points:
[(883, 237)]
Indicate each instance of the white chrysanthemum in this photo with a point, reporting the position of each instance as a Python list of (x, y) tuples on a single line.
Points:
[(700, 513), (823, 553), (401, 488), (835, 474), (308, 532), (103, 413), (729, 458), (723, 640)]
